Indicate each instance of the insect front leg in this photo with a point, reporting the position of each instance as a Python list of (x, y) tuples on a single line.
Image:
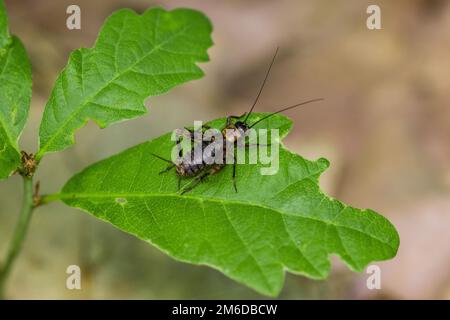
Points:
[(230, 118), (191, 131), (234, 165)]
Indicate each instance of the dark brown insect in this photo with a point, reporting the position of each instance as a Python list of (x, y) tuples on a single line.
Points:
[(190, 164), (194, 165)]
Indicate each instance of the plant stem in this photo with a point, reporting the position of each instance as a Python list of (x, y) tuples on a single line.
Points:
[(46, 198), (19, 232)]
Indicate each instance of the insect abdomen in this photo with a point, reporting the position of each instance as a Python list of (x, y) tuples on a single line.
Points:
[(190, 167)]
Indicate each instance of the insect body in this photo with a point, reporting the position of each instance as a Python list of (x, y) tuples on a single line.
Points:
[(194, 165), (191, 164)]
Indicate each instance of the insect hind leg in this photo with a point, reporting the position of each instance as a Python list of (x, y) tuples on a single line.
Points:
[(167, 169), (198, 179), (196, 182)]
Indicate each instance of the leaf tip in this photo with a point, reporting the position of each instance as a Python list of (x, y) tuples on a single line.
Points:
[(322, 165)]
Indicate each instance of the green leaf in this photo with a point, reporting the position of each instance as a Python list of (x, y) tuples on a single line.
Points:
[(274, 223), (135, 56), (15, 95), (4, 33)]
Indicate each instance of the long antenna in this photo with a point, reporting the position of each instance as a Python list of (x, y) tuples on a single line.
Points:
[(262, 86), (285, 109)]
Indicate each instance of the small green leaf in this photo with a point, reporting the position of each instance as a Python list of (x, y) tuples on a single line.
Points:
[(274, 223), (135, 56), (15, 95)]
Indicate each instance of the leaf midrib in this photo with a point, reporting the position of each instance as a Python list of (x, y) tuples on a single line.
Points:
[(76, 196)]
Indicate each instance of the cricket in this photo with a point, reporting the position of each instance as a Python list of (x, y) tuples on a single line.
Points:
[(198, 166)]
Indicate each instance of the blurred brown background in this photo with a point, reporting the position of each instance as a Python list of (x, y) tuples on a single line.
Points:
[(385, 127)]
